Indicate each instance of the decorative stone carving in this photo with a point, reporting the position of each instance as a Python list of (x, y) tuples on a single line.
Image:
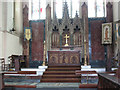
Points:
[(71, 27)]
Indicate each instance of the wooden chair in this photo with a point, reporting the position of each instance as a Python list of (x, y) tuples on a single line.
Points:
[(87, 75), (4, 67)]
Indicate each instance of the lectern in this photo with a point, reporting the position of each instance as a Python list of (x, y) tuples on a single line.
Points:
[(16, 61)]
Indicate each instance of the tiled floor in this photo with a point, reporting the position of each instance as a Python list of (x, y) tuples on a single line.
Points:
[(22, 80), (50, 89), (44, 85), (58, 85)]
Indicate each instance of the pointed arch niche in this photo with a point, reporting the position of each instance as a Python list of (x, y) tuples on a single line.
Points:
[(55, 38)]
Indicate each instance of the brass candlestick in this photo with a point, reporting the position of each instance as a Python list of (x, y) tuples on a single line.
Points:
[(44, 56), (85, 60)]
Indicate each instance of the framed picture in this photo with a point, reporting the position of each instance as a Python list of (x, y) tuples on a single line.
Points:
[(119, 31), (27, 33), (116, 32), (107, 33)]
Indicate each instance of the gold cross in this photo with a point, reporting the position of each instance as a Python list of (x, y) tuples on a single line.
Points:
[(66, 37)]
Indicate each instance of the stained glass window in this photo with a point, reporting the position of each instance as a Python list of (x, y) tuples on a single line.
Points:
[(37, 9), (59, 8), (96, 8), (73, 6)]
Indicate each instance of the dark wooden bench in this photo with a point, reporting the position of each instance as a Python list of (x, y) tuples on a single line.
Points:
[(108, 82), (87, 75), (1, 81)]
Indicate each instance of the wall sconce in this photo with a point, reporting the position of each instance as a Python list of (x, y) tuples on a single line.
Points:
[(12, 30)]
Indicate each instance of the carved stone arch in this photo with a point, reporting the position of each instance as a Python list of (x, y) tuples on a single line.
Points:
[(77, 36), (55, 37)]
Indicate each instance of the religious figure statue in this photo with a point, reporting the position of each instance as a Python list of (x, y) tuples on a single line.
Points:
[(106, 34)]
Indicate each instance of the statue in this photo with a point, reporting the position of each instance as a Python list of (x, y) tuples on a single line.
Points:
[(106, 34)]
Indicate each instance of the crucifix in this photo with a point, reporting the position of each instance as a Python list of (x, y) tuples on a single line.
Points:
[(66, 37)]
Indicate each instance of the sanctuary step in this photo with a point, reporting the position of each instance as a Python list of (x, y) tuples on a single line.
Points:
[(61, 74)]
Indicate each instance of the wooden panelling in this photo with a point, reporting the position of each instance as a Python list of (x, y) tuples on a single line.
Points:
[(37, 41)]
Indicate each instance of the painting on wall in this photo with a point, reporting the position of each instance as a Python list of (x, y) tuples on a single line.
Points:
[(107, 33), (119, 31), (27, 33)]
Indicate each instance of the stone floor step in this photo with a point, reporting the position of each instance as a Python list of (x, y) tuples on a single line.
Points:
[(60, 76), (59, 72), (64, 66), (60, 80), (62, 69)]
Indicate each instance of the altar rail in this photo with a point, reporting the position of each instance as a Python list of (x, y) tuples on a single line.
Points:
[(107, 81)]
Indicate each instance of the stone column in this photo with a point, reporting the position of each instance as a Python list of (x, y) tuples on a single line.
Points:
[(26, 24), (4, 29), (54, 8), (0, 15), (109, 19), (18, 18), (85, 19), (47, 29), (80, 9)]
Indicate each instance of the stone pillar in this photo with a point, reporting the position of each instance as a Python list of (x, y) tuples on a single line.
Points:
[(26, 24), (0, 15), (85, 19), (4, 16), (54, 8), (109, 19), (18, 18), (47, 29), (80, 9), (109, 9), (4, 29), (119, 10)]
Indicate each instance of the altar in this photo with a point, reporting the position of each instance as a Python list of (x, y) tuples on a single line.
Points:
[(63, 58), (65, 44)]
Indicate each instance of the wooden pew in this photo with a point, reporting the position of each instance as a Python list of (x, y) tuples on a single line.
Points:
[(17, 62), (4, 67), (88, 73), (107, 82), (1, 81)]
